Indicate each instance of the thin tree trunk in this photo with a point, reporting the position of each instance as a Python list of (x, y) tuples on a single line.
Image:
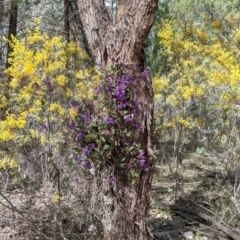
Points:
[(2, 7), (12, 27), (1, 11), (66, 20), (111, 9), (122, 44)]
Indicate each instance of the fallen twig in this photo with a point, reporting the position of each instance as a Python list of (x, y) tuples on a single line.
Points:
[(159, 235)]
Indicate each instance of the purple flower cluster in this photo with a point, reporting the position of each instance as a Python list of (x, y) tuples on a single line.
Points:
[(109, 120), (109, 87), (145, 73), (86, 165), (113, 122), (71, 125), (120, 93), (47, 81), (44, 126), (142, 158), (112, 179), (85, 151), (129, 118), (75, 103), (79, 135), (86, 119), (91, 145)]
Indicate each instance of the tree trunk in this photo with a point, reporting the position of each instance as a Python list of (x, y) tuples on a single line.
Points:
[(122, 44), (12, 27), (66, 20), (1, 11), (1, 30)]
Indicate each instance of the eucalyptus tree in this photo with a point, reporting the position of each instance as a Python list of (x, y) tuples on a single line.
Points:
[(120, 42)]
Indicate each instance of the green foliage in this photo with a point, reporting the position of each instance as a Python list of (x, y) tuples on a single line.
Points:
[(107, 131)]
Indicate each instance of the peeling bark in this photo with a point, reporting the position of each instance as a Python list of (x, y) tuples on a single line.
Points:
[(122, 44)]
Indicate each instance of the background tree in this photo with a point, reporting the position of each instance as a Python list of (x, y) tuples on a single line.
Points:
[(67, 20), (2, 8), (12, 30)]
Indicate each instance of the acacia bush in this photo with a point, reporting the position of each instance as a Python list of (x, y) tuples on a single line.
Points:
[(38, 97), (197, 96)]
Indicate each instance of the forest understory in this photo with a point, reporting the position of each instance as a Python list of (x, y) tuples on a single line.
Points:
[(195, 201)]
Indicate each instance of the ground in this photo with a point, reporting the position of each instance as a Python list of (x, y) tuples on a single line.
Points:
[(202, 206)]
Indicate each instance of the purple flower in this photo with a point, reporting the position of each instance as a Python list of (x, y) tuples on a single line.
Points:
[(128, 118), (44, 126), (71, 124), (85, 151), (107, 132), (142, 158), (86, 120), (138, 126), (99, 64), (79, 135), (124, 105), (47, 81), (120, 92), (92, 145), (75, 179), (109, 120), (136, 102), (145, 73), (125, 79), (112, 179), (109, 87), (118, 107), (74, 103), (98, 90), (86, 165)]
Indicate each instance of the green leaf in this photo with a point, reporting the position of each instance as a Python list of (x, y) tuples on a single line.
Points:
[(131, 148), (106, 146), (91, 136)]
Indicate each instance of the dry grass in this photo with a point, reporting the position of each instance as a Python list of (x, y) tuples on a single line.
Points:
[(201, 184)]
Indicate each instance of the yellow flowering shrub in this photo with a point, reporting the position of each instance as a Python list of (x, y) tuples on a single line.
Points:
[(204, 77), (44, 76)]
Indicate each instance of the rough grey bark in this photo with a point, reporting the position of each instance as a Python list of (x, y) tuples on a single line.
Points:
[(2, 7), (76, 27), (66, 20), (122, 44), (1, 11)]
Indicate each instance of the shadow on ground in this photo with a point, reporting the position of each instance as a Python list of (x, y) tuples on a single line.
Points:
[(194, 203)]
